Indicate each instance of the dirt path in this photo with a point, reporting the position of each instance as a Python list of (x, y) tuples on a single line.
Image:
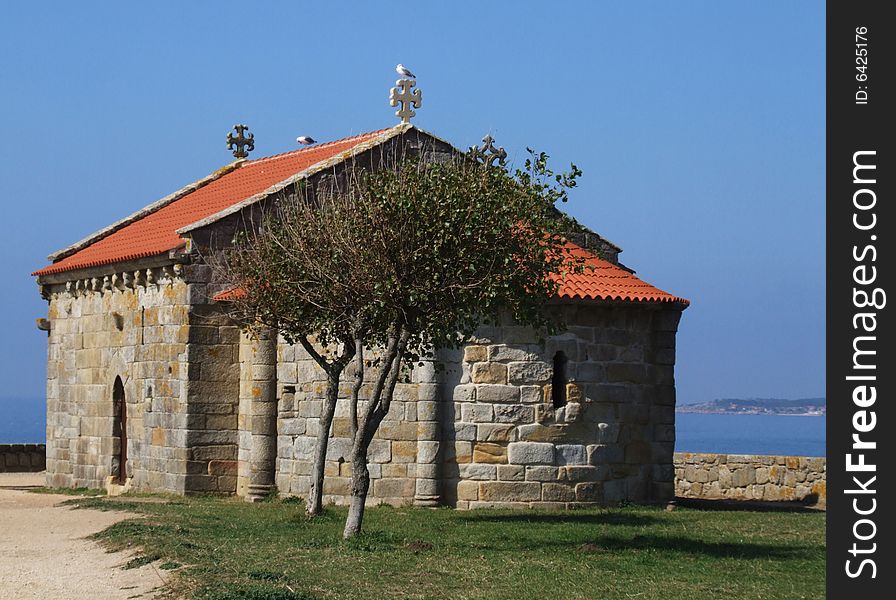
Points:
[(43, 553)]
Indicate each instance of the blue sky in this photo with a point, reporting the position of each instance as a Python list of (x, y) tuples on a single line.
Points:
[(699, 127)]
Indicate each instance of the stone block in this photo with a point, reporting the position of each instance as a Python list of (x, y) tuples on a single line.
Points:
[(529, 373), (614, 491), (541, 433), (394, 488), (464, 393), (495, 433), (458, 451), (398, 430), (427, 411), (531, 453), (489, 373), (558, 492), (590, 491), (509, 491), (485, 452), (637, 452), (468, 490), (427, 451), (511, 472), (497, 393), (479, 472), (602, 454), (585, 473), (461, 431), (743, 477), (571, 454), (634, 413), (404, 452), (530, 394), (543, 473), (514, 413), (502, 353), (477, 413), (379, 451), (475, 354), (626, 372), (394, 471)]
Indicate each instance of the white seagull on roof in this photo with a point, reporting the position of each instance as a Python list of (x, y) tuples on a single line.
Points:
[(404, 71), (306, 140)]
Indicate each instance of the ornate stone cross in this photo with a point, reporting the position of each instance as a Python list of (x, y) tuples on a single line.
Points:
[(487, 153), (244, 144), (407, 98)]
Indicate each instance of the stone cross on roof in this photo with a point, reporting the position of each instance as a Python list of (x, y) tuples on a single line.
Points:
[(407, 98), (244, 144), (487, 153)]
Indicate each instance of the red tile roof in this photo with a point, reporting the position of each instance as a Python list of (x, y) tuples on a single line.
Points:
[(599, 280), (156, 232), (602, 280)]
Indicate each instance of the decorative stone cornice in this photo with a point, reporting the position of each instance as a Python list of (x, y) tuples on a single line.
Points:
[(117, 282)]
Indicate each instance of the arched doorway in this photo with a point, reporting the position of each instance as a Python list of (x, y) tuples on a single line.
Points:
[(120, 430)]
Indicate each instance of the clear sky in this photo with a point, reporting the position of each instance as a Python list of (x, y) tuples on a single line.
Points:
[(699, 127)]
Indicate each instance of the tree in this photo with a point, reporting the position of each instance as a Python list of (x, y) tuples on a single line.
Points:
[(392, 264)]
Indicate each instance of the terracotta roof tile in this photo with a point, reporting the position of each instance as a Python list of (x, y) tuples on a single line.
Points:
[(156, 233), (602, 280)]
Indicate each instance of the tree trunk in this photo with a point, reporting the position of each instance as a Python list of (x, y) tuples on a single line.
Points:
[(369, 423), (315, 494), (360, 487)]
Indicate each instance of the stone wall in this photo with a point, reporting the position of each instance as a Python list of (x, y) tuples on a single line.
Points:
[(484, 430), (178, 366), (22, 458), (757, 478)]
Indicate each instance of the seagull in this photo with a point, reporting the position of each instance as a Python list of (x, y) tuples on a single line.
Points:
[(404, 71), (306, 140)]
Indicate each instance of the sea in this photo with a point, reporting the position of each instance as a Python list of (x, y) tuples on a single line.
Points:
[(24, 421), (782, 435)]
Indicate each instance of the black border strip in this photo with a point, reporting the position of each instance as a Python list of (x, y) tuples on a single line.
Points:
[(860, 365)]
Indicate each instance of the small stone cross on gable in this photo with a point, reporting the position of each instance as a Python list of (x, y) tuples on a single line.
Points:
[(487, 153), (407, 98), (244, 144)]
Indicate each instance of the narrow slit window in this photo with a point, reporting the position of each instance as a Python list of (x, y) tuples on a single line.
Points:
[(559, 380)]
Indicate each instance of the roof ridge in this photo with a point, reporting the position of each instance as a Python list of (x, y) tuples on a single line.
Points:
[(263, 159)]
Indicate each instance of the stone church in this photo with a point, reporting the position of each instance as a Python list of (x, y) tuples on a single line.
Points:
[(152, 387)]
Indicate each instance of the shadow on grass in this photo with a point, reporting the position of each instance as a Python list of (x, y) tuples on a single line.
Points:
[(682, 545), (613, 518), (749, 505)]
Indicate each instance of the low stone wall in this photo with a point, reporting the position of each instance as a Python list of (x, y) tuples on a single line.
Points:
[(746, 477), (23, 458)]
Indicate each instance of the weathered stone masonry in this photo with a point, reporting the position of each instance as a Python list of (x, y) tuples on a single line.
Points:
[(484, 431), (22, 458), (748, 477), (177, 362)]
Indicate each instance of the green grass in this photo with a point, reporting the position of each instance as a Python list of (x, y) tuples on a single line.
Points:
[(234, 550)]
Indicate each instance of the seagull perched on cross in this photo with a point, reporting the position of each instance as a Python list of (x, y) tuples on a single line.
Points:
[(306, 140), (404, 71)]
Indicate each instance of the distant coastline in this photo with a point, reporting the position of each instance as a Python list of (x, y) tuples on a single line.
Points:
[(804, 407)]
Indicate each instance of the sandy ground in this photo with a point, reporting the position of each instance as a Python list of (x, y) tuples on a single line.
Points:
[(44, 553)]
